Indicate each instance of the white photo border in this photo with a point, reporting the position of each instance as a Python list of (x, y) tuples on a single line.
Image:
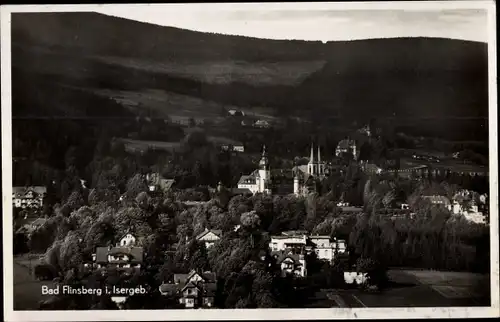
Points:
[(245, 314)]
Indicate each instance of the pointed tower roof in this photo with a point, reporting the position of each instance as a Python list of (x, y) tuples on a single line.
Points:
[(319, 155), (264, 160), (311, 159)]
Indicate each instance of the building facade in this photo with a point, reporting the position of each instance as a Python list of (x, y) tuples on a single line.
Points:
[(209, 237), (124, 257), (290, 263), (324, 247), (28, 197), (258, 181), (193, 290), (306, 177)]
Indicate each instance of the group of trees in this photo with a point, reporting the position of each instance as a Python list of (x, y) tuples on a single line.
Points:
[(114, 198), (167, 229)]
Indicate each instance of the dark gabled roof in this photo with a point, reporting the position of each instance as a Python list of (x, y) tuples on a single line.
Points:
[(22, 191), (294, 232), (166, 184), (190, 285), (135, 253), (240, 191), (169, 289), (207, 277), (247, 179), (284, 254)]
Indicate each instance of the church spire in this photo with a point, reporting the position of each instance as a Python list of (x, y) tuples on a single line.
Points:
[(319, 155), (311, 159)]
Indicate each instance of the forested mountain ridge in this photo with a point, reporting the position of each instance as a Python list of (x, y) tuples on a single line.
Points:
[(407, 77)]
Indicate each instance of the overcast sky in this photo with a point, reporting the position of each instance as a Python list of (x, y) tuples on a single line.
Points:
[(314, 24)]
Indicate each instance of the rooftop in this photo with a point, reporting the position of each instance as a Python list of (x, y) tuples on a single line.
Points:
[(135, 253), (21, 191)]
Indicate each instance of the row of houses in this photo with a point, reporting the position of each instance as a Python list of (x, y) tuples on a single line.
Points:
[(463, 204), (28, 197)]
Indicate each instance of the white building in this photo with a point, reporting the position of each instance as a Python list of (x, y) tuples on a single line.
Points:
[(282, 242), (323, 246), (28, 197), (358, 277), (258, 181), (305, 175), (127, 241), (209, 237), (239, 148)]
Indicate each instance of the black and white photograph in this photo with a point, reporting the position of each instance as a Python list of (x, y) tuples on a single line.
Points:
[(260, 160)]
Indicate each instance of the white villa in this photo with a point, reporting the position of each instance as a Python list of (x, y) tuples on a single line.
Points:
[(258, 181), (300, 242), (28, 197)]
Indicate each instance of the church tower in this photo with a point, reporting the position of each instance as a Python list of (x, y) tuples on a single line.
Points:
[(312, 165), (321, 165), (264, 173), (296, 185)]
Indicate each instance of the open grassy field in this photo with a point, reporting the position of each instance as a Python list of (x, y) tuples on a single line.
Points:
[(142, 145), (226, 72), (27, 290), (423, 288), (166, 103)]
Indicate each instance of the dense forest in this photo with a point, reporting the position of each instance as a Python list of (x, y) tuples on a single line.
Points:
[(416, 79), (81, 218)]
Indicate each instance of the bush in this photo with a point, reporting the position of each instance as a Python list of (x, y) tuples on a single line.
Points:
[(45, 272)]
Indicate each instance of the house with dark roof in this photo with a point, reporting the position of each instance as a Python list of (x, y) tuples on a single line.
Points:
[(209, 237), (194, 290), (347, 146), (122, 258), (290, 262), (28, 197)]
